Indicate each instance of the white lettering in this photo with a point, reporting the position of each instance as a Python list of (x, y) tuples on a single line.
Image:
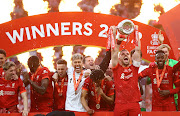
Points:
[(88, 29), (63, 28), (36, 30), (55, 31), (103, 32), (16, 34), (28, 33), (78, 29)]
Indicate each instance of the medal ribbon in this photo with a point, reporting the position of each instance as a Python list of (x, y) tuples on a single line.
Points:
[(136, 35), (98, 97), (110, 40), (32, 78), (162, 76), (79, 80), (60, 90)]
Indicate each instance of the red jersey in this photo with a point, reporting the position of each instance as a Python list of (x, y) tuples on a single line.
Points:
[(108, 89), (40, 103), (60, 98), (126, 84), (166, 84), (1, 72), (9, 91)]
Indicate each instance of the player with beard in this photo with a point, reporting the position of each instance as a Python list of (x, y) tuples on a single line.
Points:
[(162, 77), (126, 80), (76, 80), (10, 90), (2, 60), (60, 87), (41, 86)]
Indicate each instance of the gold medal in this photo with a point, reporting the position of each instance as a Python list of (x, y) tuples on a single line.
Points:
[(97, 106)]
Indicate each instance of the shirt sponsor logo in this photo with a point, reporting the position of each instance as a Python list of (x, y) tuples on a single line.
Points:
[(126, 77), (2, 93)]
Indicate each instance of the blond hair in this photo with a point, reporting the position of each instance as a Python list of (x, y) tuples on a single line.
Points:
[(7, 65), (77, 56), (164, 46)]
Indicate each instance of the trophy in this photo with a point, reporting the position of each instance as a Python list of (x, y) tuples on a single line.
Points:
[(125, 28)]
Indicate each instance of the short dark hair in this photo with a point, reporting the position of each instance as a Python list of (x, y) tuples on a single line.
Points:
[(159, 51), (132, 52), (34, 59), (3, 52), (61, 61), (84, 59), (97, 74)]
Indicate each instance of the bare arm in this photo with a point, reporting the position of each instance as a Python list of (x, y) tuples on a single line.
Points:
[(25, 103), (84, 103), (25, 78), (114, 52), (40, 89), (137, 54), (108, 99)]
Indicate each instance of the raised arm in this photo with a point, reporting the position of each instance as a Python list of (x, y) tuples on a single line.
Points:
[(114, 52), (137, 54), (105, 62)]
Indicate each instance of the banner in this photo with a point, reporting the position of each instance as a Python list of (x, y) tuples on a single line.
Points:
[(70, 28), (171, 23)]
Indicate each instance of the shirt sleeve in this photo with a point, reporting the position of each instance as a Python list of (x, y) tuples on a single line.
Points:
[(21, 86), (110, 88), (145, 73), (86, 84), (45, 74)]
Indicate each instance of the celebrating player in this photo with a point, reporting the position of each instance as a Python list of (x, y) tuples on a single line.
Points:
[(60, 87), (41, 86), (98, 91), (10, 89)]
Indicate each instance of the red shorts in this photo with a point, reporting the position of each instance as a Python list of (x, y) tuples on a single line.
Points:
[(128, 109), (171, 107)]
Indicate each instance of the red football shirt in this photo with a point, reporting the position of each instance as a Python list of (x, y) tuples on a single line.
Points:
[(42, 103), (1, 72), (166, 84), (9, 90), (108, 89), (126, 84), (59, 100)]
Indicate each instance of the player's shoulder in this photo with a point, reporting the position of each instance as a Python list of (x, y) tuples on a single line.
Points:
[(44, 70)]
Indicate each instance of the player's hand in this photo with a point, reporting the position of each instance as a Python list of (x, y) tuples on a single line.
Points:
[(97, 67), (114, 29), (55, 77), (90, 112), (25, 113), (18, 69), (160, 37), (107, 77), (99, 91), (164, 92), (87, 73)]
